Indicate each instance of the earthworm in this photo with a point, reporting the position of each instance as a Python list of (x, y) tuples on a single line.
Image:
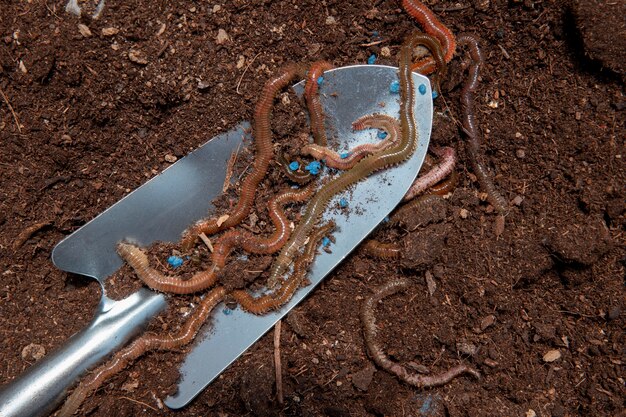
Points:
[(311, 94), (382, 250), (143, 344), (158, 281), (436, 63), (436, 174), (381, 359), (469, 125), (396, 154), (263, 304), (264, 154), (446, 186), (432, 26), (295, 176), (377, 121)]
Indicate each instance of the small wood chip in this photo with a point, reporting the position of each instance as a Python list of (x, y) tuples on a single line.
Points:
[(430, 283), (552, 355), (499, 225), (170, 158), (222, 37), (487, 322), (206, 241), (110, 31), (130, 386), (138, 57), (84, 30), (222, 219)]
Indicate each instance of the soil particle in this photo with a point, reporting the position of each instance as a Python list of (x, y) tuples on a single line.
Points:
[(363, 378), (601, 25), (256, 388), (424, 247), (580, 244)]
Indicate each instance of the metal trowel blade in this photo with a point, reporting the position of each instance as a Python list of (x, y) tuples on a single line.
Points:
[(347, 94)]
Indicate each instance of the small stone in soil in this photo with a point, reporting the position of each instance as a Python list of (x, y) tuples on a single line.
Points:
[(33, 351), (363, 378), (222, 37)]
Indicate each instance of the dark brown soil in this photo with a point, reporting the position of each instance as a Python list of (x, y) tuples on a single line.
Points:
[(86, 125)]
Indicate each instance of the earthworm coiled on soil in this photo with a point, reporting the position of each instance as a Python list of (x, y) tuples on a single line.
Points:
[(138, 260), (469, 125), (377, 354), (158, 281), (143, 344), (376, 121), (295, 176), (432, 26), (264, 154), (388, 157), (283, 294), (436, 174), (314, 104)]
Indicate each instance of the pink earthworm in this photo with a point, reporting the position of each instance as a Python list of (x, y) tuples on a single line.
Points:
[(381, 359), (436, 174)]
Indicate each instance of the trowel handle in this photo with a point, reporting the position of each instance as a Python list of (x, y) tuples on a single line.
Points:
[(41, 388)]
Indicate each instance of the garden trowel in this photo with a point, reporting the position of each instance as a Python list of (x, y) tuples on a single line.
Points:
[(165, 206)]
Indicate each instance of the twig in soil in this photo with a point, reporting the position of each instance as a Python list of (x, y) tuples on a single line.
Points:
[(230, 166), (373, 43), (51, 181), (277, 363), (27, 233), (163, 48), (206, 241), (139, 402), (455, 8), (244, 72), (380, 358), (17, 121)]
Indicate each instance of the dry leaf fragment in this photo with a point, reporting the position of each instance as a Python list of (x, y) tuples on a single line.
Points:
[(110, 31), (84, 30), (222, 219), (552, 355)]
